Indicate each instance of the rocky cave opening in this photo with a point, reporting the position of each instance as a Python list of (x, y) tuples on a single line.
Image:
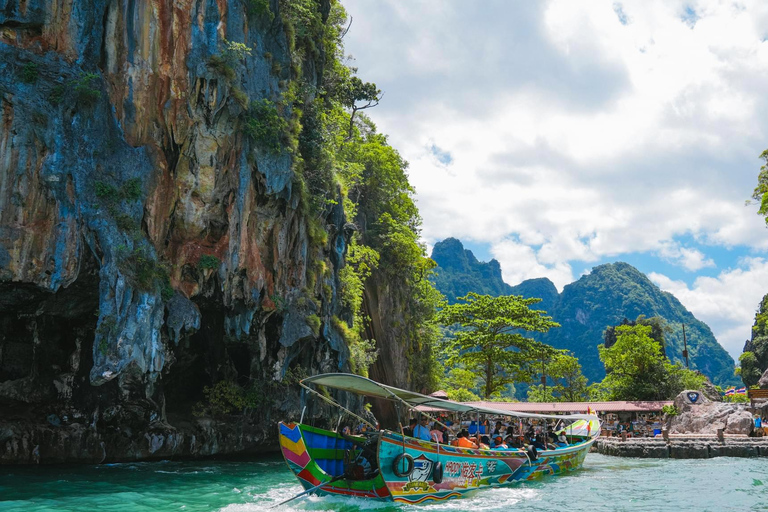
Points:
[(46, 342)]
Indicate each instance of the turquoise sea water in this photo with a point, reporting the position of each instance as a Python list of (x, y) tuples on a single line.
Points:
[(604, 484)]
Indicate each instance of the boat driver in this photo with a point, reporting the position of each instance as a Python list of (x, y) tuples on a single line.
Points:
[(421, 431)]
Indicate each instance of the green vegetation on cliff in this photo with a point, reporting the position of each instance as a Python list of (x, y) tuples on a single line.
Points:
[(613, 292), (761, 191), (754, 359), (340, 151)]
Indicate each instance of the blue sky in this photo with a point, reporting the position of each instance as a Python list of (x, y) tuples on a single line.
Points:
[(558, 135)]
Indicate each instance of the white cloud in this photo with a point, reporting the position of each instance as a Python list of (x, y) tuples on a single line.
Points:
[(727, 303), (563, 123), (690, 259), (519, 262), (574, 136)]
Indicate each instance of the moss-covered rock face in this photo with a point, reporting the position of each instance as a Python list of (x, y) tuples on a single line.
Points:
[(171, 219), (754, 359)]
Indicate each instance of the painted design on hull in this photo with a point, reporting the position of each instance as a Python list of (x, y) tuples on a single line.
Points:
[(312, 471), (465, 471)]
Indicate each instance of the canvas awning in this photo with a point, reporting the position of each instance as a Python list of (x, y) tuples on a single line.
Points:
[(367, 387)]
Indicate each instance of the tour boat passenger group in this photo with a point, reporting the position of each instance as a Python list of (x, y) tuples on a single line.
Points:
[(448, 450)]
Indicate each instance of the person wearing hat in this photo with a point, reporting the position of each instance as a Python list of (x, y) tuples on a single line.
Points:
[(499, 444), (561, 439)]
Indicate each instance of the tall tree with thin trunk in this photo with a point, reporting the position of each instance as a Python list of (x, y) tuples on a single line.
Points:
[(491, 340)]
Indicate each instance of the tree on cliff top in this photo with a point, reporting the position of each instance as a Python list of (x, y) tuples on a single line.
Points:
[(490, 342)]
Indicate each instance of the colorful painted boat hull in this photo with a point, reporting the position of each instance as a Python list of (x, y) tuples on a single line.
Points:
[(466, 471), (317, 456)]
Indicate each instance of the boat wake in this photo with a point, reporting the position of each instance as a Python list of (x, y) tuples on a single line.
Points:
[(488, 499)]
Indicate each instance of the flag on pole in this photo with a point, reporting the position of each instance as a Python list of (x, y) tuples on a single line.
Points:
[(730, 391), (741, 391)]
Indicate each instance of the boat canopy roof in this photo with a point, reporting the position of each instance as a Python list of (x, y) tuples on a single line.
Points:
[(367, 387)]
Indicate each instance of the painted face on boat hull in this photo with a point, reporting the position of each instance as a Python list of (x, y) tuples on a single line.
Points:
[(422, 469)]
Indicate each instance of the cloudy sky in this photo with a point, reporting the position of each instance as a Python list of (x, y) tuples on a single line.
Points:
[(558, 135)]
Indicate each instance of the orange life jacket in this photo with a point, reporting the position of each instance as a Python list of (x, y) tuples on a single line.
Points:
[(465, 443)]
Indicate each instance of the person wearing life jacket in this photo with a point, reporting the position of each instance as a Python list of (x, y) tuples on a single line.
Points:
[(462, 441)]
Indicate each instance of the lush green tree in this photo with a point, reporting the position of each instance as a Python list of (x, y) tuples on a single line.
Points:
[(566, 383), (636, 368), (357, 95), (659, 328), (491, 342)]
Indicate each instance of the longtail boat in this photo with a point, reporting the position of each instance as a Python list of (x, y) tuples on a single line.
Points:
[(386, 465)]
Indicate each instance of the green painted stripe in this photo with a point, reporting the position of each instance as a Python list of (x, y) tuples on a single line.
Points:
[(319, 431), (326, 453)]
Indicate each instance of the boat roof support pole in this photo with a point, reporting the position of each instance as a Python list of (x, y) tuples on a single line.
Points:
[(410, 407), (335, 403)]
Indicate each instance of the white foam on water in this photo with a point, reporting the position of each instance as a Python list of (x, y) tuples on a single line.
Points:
[(485, 500), (488, 499), (307, 503)]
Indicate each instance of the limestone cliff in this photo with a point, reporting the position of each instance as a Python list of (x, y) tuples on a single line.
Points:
[(150, 247)]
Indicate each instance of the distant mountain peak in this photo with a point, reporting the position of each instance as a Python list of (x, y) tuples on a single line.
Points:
[(459, 272)]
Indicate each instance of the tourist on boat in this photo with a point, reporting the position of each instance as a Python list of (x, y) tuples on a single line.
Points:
[(562, 441), (436, 434), (499, 444), (462, 440), (422, 431), (485, 443), (539, 443), (497, 430)]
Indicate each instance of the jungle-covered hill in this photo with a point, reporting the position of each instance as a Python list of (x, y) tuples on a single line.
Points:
[(604, 297)]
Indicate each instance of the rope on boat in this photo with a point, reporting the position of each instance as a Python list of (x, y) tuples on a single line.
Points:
[(525, 452)]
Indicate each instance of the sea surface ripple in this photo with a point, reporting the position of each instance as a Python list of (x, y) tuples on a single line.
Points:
[(603, 484)]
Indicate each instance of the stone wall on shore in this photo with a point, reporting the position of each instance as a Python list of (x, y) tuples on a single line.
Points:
[(694, 447)]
